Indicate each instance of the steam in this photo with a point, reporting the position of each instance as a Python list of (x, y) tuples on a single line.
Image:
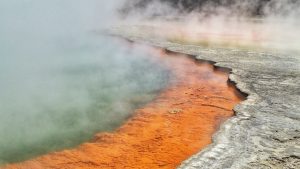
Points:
[(60, 82), (255, 24)]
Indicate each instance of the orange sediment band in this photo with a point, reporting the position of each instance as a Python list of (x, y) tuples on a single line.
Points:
[(177, 124)]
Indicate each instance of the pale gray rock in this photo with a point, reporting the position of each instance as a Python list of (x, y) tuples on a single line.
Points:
[(265, 133)]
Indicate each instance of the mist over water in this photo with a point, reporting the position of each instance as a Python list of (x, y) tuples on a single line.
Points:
[(60, 83), (271, 25)]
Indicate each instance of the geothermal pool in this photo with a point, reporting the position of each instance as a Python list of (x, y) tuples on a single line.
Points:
[(178, 123), (70, 97), (60, 83), (62, 101)]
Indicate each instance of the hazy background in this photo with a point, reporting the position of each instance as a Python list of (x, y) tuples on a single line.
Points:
[(60, 82), (250, 24)]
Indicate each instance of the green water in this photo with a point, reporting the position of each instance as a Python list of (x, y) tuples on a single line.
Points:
[(60, 83)]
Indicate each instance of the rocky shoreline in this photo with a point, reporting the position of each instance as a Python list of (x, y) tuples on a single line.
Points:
[(265, 133)]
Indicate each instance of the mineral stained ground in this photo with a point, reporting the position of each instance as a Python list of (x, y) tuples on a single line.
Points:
[(265, 133)]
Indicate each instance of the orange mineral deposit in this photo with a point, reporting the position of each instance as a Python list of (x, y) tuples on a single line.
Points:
[(177, 124)]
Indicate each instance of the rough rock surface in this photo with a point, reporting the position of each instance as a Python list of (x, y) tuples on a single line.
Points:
[(265, 133)]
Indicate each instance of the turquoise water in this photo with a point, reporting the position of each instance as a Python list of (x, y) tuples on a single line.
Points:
[(60, 83)]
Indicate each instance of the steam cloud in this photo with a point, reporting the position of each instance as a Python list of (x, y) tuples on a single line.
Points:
[(59, 81), (268, 24)]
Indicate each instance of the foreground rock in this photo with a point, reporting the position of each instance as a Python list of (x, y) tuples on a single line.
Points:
[(265, 133)]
